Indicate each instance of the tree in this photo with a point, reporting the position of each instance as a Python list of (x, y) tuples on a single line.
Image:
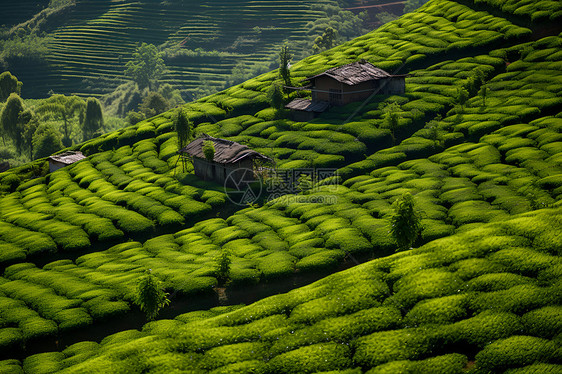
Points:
[(223, 261), (66, 108), (483, 93), (150, 296), (46, 141), (412, 5), (154, 103), (9, 84), (146, 66), (134, 117), (405, 222), (285, 58), (183, 128), (433, 127), (93, 119), (275, 96), (28, 131), (10, 118), (392, 119), (461, 97), (325, 41)]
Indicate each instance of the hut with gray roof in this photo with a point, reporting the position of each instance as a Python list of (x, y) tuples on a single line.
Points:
[(64, 159), (343, 85), (232, 163)]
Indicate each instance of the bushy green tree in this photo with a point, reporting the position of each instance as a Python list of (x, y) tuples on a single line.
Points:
[(67, 109), (146, 65), (275, 96), (462, 97), (209, 150), (405, 222), (9, 84), (154, 103), (223, 262), (483, 92), (285, 58), (325, 41), (46, 140), (392, 119), (134, 117), (93, 119), (150, 296), (183, 127), (412, 5), (10, 117)]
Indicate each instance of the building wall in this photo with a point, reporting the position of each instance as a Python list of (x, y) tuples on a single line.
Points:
[(223, 173), (54, 165), (389, 86)]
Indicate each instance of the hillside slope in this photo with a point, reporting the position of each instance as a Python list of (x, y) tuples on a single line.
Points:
[(471, 169)]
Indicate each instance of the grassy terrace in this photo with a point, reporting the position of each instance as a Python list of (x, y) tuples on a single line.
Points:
[(487, 297), (480, 292), (90, 51)]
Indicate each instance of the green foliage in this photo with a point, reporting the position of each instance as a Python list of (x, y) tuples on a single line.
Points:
[(145, 66), (325, 41), (183, 127), (209, 150), (9, 84), (405, 222), (275, 96), (223, 265), (150, 296), (285, 58), (93, 118), (46, 141), (65, 108)]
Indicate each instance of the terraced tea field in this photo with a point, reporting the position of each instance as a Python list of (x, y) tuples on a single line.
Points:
[(480, 291), (90, 50)]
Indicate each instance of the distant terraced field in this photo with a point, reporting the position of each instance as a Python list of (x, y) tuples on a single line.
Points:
[(90, 50)]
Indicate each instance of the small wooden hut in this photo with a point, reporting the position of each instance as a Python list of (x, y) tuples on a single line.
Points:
[(64, 159), (231, 162), (343, 85)]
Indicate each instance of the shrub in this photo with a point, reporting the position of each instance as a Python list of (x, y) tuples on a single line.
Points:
[(516, 351), (229, 354), (482, 328), (317, 357), (385, 346), (440, 310), (545, 322), (447, 364)]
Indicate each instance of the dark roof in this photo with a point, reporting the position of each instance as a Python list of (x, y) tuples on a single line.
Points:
[(226, 151), (68, 158), (308, 105), (355, 73)]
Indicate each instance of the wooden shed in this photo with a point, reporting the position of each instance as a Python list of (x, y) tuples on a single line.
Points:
[(346, 84), (231, 162), (64, 159)]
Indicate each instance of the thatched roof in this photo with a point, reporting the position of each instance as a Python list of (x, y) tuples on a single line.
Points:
[(308, 105), (67, 158), (355, 73), (226, 151)]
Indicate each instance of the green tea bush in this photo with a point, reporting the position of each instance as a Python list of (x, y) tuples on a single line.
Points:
[(545, 322), (385, 346), (496, 282), (446, 364), (317, 357), (48, 362), (439, 310), (517, 299), (423, 284), (516, 351), (483, 328), (230, 354)]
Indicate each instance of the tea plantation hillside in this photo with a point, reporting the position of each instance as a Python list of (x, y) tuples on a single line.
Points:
[(479, 293), (486, 300), (88, 53)]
